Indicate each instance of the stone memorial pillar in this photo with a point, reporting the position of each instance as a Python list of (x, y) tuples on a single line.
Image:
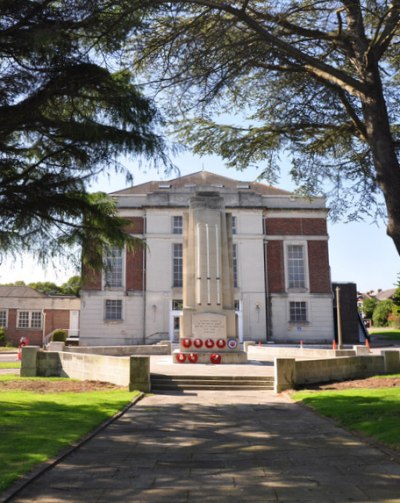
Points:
[(208, 327)]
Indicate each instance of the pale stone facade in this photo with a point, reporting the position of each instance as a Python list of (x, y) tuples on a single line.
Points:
[(282, 289)]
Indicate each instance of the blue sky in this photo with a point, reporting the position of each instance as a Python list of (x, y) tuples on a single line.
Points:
[(360, 252)]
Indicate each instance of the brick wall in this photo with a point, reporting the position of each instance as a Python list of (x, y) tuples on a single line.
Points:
[(318, 263), (55, 318), (134, 269), (91, 279), (275, 269), (295, 227), (136, 225)]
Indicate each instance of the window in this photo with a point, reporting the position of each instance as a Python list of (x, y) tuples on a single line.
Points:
[(296, 266), (113, 310), (297, 312), (177, 225), (235, 266), (177, 265), (3, 318), (29, 319), (113, 272), (36, 319), (234, 225)]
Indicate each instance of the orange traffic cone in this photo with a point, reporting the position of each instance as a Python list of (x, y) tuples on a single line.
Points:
[(301, 344), (19, 353), (334, 345), (368, 345)]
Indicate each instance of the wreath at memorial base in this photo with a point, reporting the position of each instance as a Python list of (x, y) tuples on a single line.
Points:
[(193, 358), (215, 358)]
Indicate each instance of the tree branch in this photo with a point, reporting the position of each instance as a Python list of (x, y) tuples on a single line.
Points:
[(389, 30), (311, 64)]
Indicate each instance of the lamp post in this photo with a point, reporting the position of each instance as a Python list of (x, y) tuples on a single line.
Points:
[(339, 319)]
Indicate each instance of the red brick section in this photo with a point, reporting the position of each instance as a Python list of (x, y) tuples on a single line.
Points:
[(134, 269), (135, 259), (295, 227), (55, 318), (318, 263), (275, 267), (91, 279), (136, 225)]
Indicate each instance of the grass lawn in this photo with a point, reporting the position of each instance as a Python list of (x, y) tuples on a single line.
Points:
[(372, 412), (387, 333), (36, 426), (10, 365)]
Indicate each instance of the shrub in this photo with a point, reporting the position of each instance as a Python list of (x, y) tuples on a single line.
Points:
[(2, 336), (368, 307), (394, 319), (59, 335), (382, 312)]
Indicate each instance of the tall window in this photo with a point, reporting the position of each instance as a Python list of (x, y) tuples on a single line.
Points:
[(177, 265), (3, 318), (234, 225), (29, 319), (235, 266), (177, 225), (296, 266), (297, 312), (113, 310), (113, 272)]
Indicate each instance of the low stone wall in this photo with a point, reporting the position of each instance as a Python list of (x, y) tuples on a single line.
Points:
[(294, 352), (291, 373), (131, 371), (163, 348)]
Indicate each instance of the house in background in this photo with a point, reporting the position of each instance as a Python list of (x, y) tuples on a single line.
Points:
[(281, 268), (24, 312)]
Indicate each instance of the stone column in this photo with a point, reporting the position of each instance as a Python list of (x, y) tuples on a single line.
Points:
[(29, 361), (207, 269), (208, 322), (139, 373)]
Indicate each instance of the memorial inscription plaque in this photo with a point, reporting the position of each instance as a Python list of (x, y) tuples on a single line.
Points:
[(209, 325)]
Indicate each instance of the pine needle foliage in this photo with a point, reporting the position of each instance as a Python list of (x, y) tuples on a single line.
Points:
[(68, 109), (317, 80)]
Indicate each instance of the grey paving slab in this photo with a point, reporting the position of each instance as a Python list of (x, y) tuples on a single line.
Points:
[(207, 446)]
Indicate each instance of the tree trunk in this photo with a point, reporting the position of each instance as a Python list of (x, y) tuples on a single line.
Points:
[(384, 154)]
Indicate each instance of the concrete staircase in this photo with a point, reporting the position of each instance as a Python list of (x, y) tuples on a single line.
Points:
[(162, 382)]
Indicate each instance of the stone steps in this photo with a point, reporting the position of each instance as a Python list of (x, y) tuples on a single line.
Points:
[(161, 382)]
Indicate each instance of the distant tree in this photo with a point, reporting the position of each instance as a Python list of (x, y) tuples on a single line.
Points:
[(317, 79), (396, 296), (15, 283), (68, 109), (381, 313), (368, 306), (46, 287), (72, 286)]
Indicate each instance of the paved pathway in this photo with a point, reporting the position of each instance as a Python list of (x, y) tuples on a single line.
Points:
[(212, 447)]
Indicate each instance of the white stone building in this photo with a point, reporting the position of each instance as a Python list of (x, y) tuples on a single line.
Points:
[(281, 267)]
